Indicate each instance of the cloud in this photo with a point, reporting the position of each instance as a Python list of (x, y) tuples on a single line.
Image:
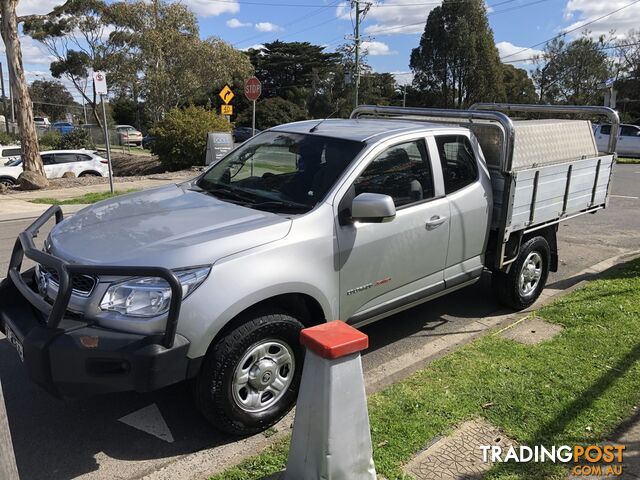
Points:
[(403, 78), (207, 8), (235, 23), (375, 48), (37, 7), (392, 17), (583, 11), (33, 52), (267, 27), (257, 46), (516, 55)]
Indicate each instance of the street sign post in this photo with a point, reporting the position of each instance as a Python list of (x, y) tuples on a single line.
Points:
[(100, 88), (253, 90), (226, 94)]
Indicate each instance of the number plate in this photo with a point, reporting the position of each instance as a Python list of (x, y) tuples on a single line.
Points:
[(13, 340)]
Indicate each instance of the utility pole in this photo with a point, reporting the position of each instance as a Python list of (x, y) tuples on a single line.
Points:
[(360, 13)]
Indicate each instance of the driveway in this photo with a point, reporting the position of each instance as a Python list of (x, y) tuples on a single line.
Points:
[(128, 435)]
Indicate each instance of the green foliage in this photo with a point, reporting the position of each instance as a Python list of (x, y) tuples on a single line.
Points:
[(457, 61), (50, 98), (519, 88), (76, 138), (50, 140), (7, 138), (273, 111), (573, 72), (180, 138)]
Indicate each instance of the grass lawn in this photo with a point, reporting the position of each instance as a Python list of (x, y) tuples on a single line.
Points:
[(573, 389), (84, 199), (628, 160)]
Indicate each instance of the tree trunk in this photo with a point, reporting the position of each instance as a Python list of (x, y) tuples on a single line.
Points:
[(31, 160)]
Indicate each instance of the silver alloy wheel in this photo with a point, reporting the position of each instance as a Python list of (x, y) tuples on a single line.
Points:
[(530, 274), (263, 375)]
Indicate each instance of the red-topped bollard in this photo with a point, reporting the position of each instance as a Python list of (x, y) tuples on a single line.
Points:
[(331, 438)]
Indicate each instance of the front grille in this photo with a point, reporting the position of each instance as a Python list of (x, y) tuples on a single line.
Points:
[(81, 284)]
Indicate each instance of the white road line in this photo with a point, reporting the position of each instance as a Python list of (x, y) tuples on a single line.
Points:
[(624, 196), (150, 420)]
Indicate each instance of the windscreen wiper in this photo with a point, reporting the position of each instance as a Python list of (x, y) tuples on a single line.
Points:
[(280, 205), (229, 193)]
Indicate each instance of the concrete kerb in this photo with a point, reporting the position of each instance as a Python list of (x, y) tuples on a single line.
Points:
[(207, 462)]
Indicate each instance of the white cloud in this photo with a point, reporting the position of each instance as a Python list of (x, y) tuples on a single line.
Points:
[(403, 78), (583, 11), (235, 23), (514, 54), (375, 48), (267, 27), (392, 17), (37, 7), (257, 46), (207, 8), (33, 52)]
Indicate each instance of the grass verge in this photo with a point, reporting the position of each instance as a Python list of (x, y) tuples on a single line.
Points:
[(628, 160), (84, 199), (573, 389)]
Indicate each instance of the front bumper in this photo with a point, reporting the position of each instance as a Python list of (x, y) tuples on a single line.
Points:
[(70, 356)]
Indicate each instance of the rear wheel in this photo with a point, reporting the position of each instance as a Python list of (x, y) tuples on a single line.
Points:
[(7, 181), (249, 379), (89, 174), (526, 279)]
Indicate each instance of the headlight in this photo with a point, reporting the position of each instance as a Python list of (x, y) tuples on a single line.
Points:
[(151, 296)]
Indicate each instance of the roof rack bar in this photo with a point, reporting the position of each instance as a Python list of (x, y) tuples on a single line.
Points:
[(508, 131), (610, 113)]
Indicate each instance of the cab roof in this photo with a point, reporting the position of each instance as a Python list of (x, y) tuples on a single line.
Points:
[(360, 130)]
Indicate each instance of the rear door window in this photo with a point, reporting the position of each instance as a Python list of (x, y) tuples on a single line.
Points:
[(605, 129), (66, 157), (459, 167)]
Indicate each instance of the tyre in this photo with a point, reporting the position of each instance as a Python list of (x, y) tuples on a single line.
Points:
[(249, 378), (7, 181), (526, 279), (89, 174)]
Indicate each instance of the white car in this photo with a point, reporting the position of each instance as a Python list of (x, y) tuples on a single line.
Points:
[(628, 139), (9, 153), (57, 162)]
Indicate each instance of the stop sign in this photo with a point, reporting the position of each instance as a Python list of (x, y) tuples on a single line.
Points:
[(252, 88)]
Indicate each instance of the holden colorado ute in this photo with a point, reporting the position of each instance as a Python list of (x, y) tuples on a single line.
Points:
[(211, 280)]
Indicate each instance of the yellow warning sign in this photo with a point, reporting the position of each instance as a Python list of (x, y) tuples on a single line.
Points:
[(226, 94), (226, 109)]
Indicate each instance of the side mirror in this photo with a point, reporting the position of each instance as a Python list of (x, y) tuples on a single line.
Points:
[(373, 208)]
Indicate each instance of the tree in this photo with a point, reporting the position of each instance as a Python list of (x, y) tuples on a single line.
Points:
[(273, 111), (78, 35), (457, 61), (573, 72), (519, 88), (295, 71), (51, 98), (180, 138), (172, 64), (31, 160)]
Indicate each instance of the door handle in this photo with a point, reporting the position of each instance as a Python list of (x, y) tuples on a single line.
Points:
[(435, 221)]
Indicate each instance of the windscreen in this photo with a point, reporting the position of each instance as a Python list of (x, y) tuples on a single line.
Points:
[(281, 171)]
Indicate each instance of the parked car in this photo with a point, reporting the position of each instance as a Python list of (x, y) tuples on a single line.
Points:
[(242, 134), (9, 153), (127, 135), (628, 139), (213, 279), (147, 141), (62, 127), (56, 162), (42, 122)]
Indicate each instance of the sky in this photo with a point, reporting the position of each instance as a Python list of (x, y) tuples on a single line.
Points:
[(390, 30)]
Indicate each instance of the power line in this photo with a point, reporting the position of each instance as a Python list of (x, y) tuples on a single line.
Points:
[(395, 5), (591, 22), (608, 47)]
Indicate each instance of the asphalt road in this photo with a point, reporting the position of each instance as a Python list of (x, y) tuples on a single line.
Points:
[(91, 439)]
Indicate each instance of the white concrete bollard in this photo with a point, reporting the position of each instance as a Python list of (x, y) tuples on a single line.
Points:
[(331, 438)]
